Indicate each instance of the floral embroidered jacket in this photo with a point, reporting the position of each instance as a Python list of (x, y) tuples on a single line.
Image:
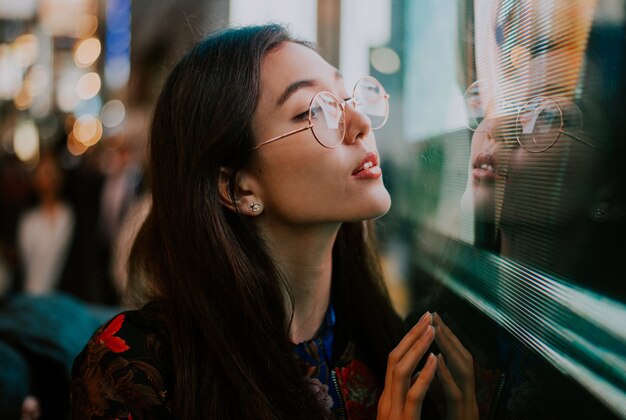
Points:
[(124, 371)]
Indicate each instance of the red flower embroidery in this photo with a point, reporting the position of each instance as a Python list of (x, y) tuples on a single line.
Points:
[(115, 344), (360, 390)]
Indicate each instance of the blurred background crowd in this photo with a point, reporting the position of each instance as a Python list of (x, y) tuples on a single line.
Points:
[(76, 90), (79, 78)]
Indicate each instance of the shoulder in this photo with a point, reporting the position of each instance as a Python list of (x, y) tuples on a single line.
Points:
[(125, 369)]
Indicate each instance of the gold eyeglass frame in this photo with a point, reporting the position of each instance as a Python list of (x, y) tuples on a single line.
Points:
[(559, 131), (342, 104)]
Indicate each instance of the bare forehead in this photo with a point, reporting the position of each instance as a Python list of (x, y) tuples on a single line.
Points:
[(289, 63)]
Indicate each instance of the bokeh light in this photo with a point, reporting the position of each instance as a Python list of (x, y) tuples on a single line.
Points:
[(87, 52), (87, 130), (11, 80), (385, 60), (88, 85), (27, 49), (113, 113), (23, 99), (66, 94), (86, 26), (75, 147), (26, 141)]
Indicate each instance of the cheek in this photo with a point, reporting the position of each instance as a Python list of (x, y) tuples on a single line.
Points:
[(319, 187), (480, 144), (292, 180)]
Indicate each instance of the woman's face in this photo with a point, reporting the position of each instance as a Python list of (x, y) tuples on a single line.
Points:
[(298, 181)]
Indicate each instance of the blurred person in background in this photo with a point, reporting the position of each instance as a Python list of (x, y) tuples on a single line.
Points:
[(45, 232), (256, 267)]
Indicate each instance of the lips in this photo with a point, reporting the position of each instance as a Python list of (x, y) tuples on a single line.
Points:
[(368, 167), (484, 167)]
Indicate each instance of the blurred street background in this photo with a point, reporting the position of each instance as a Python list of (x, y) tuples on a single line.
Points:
[(78, 81)]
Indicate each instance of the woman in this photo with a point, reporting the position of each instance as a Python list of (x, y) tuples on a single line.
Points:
[(45, 233), (267, 298)]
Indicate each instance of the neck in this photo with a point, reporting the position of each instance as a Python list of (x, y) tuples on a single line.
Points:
[(304, 256), (49, 204)]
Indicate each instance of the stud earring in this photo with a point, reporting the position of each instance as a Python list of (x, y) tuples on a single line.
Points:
[(255, 207)]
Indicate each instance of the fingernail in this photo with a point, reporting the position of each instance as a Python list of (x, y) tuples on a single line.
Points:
[(430, 360), (436, 315), (423, 318), (430, 330), (441, 362)]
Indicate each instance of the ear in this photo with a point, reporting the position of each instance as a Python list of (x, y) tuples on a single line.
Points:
[(245, 200)]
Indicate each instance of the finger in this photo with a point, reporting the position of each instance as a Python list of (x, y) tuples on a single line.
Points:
[(462, 368), (401, 372), (454, 396), (415, 332), (446, 344), (459, 360), (417, 392), (447, 347), (449, 335), (383, 405), (406, 343)]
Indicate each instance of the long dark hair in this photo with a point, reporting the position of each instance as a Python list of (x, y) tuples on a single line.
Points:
[(222, 296)]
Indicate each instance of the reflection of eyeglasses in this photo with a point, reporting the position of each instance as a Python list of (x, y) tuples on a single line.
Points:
[(474, 106), (327, 113), (539, 124)]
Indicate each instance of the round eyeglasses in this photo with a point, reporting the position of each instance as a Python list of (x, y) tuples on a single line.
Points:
[(539, 124), (327, 113)]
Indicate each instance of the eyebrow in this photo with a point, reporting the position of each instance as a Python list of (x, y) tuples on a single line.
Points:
[(294, 87)]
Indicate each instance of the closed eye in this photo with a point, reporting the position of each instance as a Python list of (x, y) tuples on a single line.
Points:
[(301, 117)]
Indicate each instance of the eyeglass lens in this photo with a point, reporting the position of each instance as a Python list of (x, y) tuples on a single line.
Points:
[(539, 124), (473, 106), (327, 114), (369, 99), (327, 117)]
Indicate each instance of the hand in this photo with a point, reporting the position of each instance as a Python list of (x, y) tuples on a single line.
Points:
[(457, 375), (403, 396)]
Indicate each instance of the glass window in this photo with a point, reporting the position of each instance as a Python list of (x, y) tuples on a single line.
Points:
[(505, 157)]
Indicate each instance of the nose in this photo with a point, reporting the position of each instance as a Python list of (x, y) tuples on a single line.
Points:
[(358, 125), (490, 130)]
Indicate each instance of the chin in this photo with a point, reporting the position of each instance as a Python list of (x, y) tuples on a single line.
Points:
[(377, 207), (484, 204)]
